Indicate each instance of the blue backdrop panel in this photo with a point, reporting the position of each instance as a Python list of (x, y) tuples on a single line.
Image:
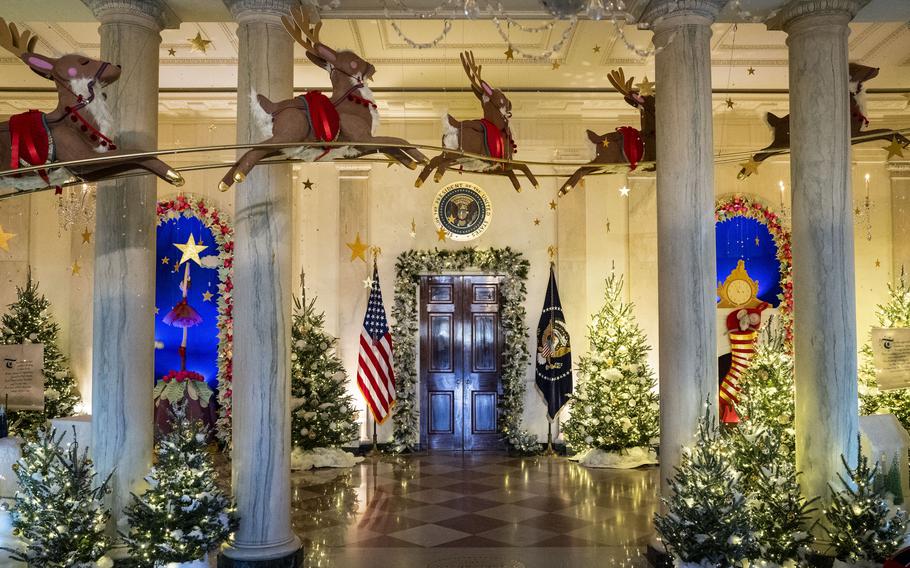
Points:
[(749, 240), (202, 342)]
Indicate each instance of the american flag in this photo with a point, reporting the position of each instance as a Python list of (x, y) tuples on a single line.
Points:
[(375, 376)]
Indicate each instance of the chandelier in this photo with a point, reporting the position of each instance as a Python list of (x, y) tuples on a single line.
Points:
[(76, 206)]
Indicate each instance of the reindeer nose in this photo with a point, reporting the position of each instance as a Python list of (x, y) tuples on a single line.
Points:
[(119, 67)]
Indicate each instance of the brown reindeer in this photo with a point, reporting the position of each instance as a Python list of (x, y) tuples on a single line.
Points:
[(75, 130), (626, 146), (489, 136), (780, 125), (348, 116)]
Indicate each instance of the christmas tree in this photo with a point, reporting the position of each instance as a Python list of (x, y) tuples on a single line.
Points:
[(29, 321), (706, 521), (183, 514), (58, 513), (323, 414), (863, 525), (614, 406), (894, 313)]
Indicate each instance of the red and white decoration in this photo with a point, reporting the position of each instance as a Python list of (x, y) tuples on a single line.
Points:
[(375, 375)]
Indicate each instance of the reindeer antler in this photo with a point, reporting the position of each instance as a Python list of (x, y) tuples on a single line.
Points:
[(14, 41), (472, 70), (300, 28), (618, 80)]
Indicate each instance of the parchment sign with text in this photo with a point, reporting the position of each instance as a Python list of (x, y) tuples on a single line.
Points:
[(891, 356), (21, 376)]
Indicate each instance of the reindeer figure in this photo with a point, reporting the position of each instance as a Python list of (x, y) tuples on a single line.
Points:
[(780, 125), (489, 136), (75, 130), (626, 145), (348, 116)]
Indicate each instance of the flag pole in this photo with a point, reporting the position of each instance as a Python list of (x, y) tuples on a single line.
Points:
[(374, 451), (550, 451)]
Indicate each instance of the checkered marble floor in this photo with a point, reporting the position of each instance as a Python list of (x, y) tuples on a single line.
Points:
[(483, 510)]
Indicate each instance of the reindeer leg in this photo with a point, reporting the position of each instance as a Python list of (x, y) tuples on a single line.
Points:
[(441, 170), (527, 172), (425, 173), (511, 175), (239, 171), (575, 178)]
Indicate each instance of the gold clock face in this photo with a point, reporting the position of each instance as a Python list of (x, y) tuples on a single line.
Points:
[(739, 292)]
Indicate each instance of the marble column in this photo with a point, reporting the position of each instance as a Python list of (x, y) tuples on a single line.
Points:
[(900, 219), (124, 275), (685, 221), (823, 271), (263, 287)]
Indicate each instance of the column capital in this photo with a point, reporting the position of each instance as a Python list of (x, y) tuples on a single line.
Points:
[(681, 11), (253, 10), (898, 170), (797, 10), (152, 14)]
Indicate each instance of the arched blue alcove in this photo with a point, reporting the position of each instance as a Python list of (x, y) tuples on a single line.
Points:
[(743, 238), (202, 339)]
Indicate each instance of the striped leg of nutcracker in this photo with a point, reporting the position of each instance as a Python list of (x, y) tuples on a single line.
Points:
[(742, 350)]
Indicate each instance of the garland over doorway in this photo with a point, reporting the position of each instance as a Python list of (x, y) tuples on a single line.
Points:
[(512, 267)]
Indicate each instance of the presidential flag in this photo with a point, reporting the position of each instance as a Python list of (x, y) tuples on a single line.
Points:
[(554, 352), (375, 376)]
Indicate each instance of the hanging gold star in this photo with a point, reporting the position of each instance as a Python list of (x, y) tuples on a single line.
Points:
[(441, 235), (212, 127), (5, 238), (624, 191), (729, 102), (86, 236), (76, 268), (750, 167), (413, 232), (608, 225), (509, 53), (172, 52), (358, 249), (166, 260), (751, 70), (536, 221), (878, 263), (156, 310), (645, 88), (553, 204), (368, 283), (198, 43), (307, 184), (176, 266), (555, 65), (596, 49), (190, 250), (207, 296), (894, 149), (552, 251), (757, 241)]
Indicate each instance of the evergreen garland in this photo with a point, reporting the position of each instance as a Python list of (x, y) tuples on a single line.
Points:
[(863, 526), (323, 413), (183, 514), (512, 267), (893, 313), (615, 404), (705, 522), (29, 321), (59, 513)]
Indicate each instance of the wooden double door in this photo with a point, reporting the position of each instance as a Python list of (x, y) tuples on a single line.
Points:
[(460, 362)]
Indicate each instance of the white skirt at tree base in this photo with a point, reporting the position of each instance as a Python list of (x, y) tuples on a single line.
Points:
[(625, 459), (8, 540), (200, 563), (842, 564), (322, 457)]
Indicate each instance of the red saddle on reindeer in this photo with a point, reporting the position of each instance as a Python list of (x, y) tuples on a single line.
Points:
[(323, 115), (633, 147), (30, 141)]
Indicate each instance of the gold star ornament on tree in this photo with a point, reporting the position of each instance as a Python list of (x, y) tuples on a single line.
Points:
[(358, 249), (5, 238), (190, 250), (199, 43)]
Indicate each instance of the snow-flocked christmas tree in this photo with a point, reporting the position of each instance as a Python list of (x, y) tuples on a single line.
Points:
[(615, 403), (58, 512), (29, 321), (183, 514), (323, 414), (705, 521), (862, 524), (893, 313)]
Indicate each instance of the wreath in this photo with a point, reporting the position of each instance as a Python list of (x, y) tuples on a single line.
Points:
[(731, 206), (512, 267), (219, 225)]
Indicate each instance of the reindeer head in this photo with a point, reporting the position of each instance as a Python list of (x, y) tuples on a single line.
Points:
[(630, 93), (65, 69), (298, 24), (497, 108)]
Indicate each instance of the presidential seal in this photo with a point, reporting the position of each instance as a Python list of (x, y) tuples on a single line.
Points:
[(463, 210)]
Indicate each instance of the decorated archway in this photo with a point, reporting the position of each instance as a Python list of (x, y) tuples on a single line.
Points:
[(202, 215)]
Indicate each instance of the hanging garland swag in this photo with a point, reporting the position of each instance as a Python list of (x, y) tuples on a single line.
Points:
[(219, 224), (513, 269)]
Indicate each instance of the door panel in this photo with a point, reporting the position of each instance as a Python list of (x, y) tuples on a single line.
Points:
[(460, 352)]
